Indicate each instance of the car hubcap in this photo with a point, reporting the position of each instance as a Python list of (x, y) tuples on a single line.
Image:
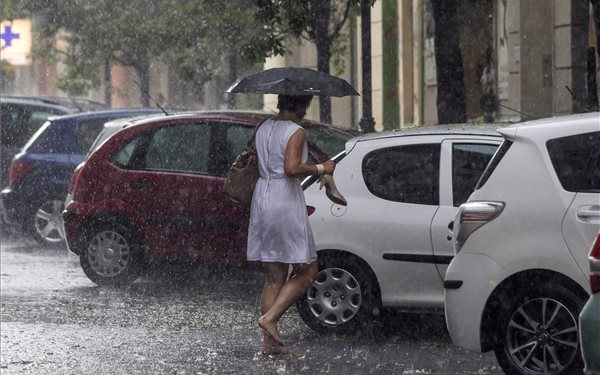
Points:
[(542, 337), (108, 254), (335, 296), (48, 221)]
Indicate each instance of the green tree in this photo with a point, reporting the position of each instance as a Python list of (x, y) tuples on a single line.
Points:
[(206, 40), (451, 91), (200, 39), (318, 21)]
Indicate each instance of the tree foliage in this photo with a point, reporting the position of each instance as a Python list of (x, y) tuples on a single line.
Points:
[(317, 21), (201, 39)]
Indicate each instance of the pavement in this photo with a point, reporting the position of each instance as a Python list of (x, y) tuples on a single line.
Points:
[(190, 320)]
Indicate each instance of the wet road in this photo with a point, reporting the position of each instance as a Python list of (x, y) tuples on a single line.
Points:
[(189, 320)]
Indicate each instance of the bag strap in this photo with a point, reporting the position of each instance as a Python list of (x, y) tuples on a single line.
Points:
[(251, 141)]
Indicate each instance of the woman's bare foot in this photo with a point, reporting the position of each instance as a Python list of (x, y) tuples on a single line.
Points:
[(270, 347), (271, 329)]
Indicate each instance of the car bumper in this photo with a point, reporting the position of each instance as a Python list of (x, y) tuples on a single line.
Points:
[(469, 283), (589, 333), (73, 217)]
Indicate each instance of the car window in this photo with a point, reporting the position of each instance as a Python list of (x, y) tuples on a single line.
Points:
[(572, 161), (182, 148), (498, 156), (87, 131), (232, 143), (408, 174), (123, 157), (37, 140), (19, 124), (468, 162), (328, 139)]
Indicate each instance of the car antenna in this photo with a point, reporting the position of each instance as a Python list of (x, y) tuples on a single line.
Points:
[(514, 110), (148, 95), (584, 107), (75, 103)]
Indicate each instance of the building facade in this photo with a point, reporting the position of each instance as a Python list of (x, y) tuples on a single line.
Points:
[(521, 58)]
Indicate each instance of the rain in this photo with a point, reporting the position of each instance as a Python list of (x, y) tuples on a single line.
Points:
[(120, 253)]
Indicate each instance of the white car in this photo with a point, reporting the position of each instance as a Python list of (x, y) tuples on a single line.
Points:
[(391, 244), (520, 275)]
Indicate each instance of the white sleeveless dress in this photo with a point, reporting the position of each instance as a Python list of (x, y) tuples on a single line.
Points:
[(279, 230)]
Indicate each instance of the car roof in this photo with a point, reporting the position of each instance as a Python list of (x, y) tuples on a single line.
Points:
[(75, 104), (447, 129), (36, 102), (125, 112), (252, 117), (551, 127)]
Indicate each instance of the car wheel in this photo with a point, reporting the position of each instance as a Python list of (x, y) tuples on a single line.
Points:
[(48, 226), (538, 334), (344, 297), (111, 254)]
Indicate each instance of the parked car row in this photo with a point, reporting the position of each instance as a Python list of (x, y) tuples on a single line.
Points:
[(20, 117), (39, 175), (489, 225), (517, 278)]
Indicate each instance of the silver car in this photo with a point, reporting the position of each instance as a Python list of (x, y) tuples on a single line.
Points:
[(391, 244)]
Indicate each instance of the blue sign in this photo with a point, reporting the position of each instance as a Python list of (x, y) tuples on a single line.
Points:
[(8, 36)]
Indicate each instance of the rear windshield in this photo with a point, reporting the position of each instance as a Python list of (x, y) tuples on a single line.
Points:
[(39, 138), (500, 152)]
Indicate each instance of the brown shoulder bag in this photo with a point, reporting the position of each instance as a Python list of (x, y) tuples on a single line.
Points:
[(243, 174)]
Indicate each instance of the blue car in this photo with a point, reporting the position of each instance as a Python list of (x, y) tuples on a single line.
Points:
[(39, 176)]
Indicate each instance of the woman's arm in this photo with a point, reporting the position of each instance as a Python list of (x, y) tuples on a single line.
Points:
[(293, 166)]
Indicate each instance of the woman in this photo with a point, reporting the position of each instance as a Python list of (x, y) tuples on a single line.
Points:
[(279, 234)]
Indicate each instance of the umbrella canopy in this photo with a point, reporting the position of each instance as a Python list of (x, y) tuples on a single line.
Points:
[(292, 81)]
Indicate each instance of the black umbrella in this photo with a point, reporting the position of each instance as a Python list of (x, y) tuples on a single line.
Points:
[(292, 81)]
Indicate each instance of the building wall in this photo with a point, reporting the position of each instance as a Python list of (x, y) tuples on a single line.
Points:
[(538, 50), (304, 54)]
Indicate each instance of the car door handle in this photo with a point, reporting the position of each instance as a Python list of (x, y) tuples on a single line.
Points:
[(588, 213), (140, 185)]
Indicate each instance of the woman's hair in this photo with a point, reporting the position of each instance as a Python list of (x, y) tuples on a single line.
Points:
[(292, 102)]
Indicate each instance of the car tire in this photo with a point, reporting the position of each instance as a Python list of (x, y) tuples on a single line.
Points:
[(538, 332), (111, 254), (46, 224), (344, 298)]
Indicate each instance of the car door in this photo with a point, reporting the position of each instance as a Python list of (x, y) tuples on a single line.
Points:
[(576, 160), (230, 233), (170, 187), (389, 214), (462, 163)]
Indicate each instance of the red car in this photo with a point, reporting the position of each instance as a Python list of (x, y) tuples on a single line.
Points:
[(152, 193)]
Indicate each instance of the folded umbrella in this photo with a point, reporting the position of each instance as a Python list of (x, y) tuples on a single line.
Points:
[(292, 81)]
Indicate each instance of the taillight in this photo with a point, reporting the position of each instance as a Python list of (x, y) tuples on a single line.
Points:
[(594, 258), (472, 216), (18, 170), (310, 210)]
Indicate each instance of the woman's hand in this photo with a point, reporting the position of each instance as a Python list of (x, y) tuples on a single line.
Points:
[(329, 166)]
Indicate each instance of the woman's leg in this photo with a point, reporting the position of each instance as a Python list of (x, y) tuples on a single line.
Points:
[(304, 276), (276, 276)]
